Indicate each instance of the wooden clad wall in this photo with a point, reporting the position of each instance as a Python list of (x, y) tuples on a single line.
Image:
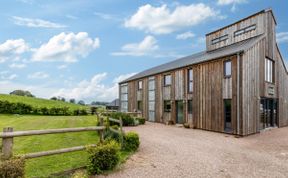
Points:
[(282, 92), (259, 20), (158, 99), (132, 96), (251, 85), (179, 84), (208, 104)]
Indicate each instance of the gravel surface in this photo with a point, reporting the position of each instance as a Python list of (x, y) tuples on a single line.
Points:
[(170, 151)]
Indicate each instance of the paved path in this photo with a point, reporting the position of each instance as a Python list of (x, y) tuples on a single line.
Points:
[(169, 151)]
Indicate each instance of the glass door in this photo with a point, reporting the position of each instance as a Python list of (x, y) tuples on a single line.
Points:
[(179, 112)]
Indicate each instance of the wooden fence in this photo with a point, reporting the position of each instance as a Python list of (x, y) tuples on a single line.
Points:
[(8, 138)]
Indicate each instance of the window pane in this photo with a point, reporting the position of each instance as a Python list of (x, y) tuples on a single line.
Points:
[(191, 86), (167, 106), (227, 68), (140, 85), (167, 80), (190, 75)]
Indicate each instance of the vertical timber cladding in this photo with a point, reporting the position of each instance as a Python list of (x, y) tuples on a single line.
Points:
[(282, 91), (251, 85), (179, 90), (208, 95), (132, 96), (159, 99)]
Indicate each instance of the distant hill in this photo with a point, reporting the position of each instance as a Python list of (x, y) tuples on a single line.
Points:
[(37, 102)]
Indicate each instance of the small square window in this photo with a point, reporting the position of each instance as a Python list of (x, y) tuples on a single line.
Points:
[(139, 105), (227, 68), (167, 106), (167, 80)]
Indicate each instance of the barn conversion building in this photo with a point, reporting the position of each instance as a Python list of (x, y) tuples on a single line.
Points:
[(238, 85)]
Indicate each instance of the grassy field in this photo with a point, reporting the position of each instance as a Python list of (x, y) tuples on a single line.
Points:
[(37, 102), (42, 167)]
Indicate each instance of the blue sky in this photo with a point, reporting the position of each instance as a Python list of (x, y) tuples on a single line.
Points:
[(82, 48)]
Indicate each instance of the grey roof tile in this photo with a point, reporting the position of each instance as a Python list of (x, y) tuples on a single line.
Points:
[(197, 58)]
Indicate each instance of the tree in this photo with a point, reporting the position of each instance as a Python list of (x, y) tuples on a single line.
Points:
[(22, 93), (81, 102), (54, 98), (72, 100), (63, 99)]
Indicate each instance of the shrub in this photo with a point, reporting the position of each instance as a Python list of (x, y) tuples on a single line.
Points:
[(13, 168), (83, 112), (141, 120), (127, 119), (131, 141), (116, 127), (109, 135), (104, 157)]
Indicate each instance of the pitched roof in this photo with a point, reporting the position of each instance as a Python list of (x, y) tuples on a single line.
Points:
[(197, 58)]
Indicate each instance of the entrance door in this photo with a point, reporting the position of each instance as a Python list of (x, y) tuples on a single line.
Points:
[(268, 109), (228, 116), (179, 112)]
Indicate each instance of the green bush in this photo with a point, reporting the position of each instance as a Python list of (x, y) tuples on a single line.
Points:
[(141, 120), (104, 157), (13, 168), (127, 119), (131, 141), (109, 135)]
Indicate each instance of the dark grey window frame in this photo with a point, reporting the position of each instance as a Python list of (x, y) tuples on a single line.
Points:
[(219, 39), (165, 106), (245, 30), (225, 70), (165, 83)]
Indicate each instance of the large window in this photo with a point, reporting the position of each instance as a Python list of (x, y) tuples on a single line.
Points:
[(227, 68), (167, 80), (124, 97), (167, 106), (269, 70), (140, 85), (189, 106), (190, 80), (227, 114)]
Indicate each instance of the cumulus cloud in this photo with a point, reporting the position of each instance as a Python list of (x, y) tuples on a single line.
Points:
[(228, 2), (12, 49), (38, 75), (282, 37), (35, 23), (162, 20), (6, 75), (17, 66), (93, 89), (184, 36), (66, 47), (145, 47)]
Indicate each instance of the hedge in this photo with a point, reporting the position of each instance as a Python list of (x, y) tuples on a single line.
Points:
[(131, 141), (7, 107)]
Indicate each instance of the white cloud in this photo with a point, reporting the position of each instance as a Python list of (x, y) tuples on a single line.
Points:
[(145, 47), (106, 16), (66, 47), (6, 75), (17, 66), (38, 75), (93, 89), (162, 20), (36, 23), (184, 36), (228, 2), (71, 17), (62, 66), (282, 37), (12, 49)]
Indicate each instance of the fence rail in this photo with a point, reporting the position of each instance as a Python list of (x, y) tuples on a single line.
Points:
[(8, 135)]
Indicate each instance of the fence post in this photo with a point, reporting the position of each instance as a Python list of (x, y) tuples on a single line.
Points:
[(121, 131), (101, 131), (7, 144)]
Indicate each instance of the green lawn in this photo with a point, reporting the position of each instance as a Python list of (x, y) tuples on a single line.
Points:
[(37, 102), (42, 167)]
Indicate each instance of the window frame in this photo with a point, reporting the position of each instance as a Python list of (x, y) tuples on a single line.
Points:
[(271, 67), (219, 39), (245, 30), (165, 106), (138, 85), (225, 70), (190, 80), (165, 84), (140, 107)]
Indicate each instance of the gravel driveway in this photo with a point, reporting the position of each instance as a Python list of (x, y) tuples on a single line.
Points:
[(169, 151)]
